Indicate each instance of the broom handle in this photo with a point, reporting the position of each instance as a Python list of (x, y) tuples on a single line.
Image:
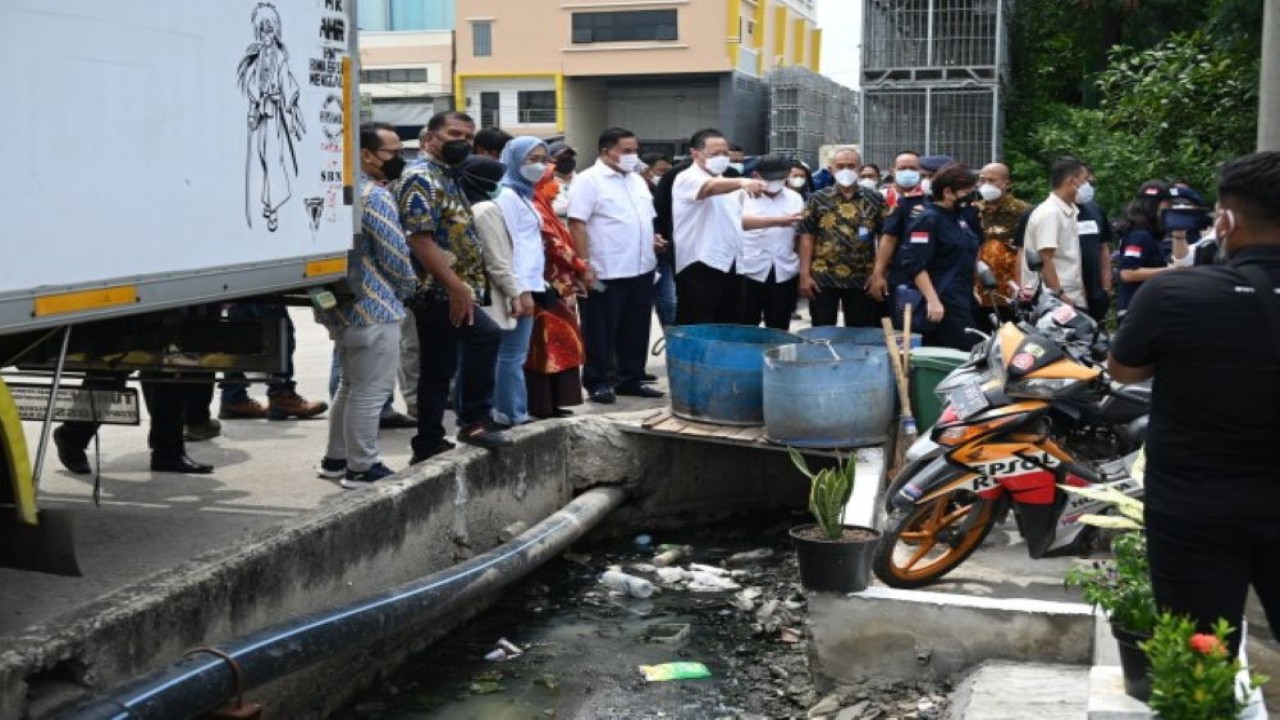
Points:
[(895, 359), (906, 346)]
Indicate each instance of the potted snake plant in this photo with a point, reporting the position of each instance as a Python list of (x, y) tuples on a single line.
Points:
[(834, 557)]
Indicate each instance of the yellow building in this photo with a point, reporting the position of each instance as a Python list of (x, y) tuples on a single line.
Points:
[(661, 68)]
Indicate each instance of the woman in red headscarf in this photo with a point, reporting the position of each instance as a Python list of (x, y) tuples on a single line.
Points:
[(555, 351)]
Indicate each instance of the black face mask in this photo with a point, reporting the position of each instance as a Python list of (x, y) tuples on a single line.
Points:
[(391, 169), (455, 151), (566, 165)]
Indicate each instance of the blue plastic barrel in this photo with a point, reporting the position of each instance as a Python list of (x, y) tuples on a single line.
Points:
[(824, 395), (853, 335), (715, 371)]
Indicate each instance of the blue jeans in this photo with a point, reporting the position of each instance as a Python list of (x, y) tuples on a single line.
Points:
[(234, 386), (664, 292), (335, 376), (510, 396)]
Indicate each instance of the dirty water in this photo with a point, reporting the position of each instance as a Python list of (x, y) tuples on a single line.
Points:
[(581, 644)]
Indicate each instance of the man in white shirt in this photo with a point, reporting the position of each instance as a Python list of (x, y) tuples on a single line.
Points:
[(1052, 232), (769, 263), (706, 212), (611, 219)]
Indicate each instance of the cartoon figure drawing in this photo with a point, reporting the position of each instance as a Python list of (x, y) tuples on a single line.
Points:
[(275, 118)]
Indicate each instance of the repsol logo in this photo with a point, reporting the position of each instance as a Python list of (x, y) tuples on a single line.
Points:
[(989, 473)]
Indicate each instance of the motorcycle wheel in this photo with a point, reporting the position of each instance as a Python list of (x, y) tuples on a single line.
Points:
[(915, 550)]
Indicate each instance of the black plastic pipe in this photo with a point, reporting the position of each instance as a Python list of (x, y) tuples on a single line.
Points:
[(204, 681)]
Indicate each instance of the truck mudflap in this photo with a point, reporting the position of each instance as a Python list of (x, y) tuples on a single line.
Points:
[(30, 539)]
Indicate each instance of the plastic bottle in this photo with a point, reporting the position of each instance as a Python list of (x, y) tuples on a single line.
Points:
[(627, 584), (669, 555)]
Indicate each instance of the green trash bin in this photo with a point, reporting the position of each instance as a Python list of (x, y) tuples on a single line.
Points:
[(929, 365)]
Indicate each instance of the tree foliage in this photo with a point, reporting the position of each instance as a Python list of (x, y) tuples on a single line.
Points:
[(1168, 104)]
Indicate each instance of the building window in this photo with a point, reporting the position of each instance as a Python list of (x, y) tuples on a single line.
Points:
[(594, 27), (403, 15), (397, 75), (536, 107), (481, 39)]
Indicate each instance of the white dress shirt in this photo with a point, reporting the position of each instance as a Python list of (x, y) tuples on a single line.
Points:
[(708, 231), (618, 211), (524, 224), (771, 248), (1053, 225)]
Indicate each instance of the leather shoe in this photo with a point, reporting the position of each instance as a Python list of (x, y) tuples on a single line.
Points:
[(72, 458), (180, 464), (604, 396), (643, 391), (397, 421), (442, 447), (649, 378)]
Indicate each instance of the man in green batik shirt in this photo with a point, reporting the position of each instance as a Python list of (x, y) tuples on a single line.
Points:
[(838, 246)]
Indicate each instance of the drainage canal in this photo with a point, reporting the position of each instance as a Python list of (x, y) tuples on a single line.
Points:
[(562, 645)]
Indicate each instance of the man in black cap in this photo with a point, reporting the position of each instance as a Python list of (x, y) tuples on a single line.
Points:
[(769, 263)]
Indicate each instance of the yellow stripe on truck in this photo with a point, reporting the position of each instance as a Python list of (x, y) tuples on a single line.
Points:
[(350, 119), (14, 455), (329, 266), (85, 300)]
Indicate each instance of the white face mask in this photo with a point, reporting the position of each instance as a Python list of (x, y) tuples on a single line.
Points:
[(926, 186), (846, 178), (869, 184), (990, 192), (737, 166), (773, 187), (629, 163), (717, 165), (533, 173), (1084, 193), (907, 178), (796, 183)]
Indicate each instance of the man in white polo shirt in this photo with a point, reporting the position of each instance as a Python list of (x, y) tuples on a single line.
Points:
[(769, 263), (706, 212), (1053, 233), (611, 219)]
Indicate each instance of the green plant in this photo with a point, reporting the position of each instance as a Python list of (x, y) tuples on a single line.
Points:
[(829, 492), (1193, 675), (1121, 586)]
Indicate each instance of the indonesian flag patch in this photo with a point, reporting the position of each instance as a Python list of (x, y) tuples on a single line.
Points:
[(919, 237), (1133, 251)]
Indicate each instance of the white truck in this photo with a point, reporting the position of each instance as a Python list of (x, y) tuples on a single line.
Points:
[(159, 155)]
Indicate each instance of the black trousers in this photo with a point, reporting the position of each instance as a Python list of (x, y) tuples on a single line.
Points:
[(706, 295), (170, 404), (771, 300), (1099, 305), (950, 332), (1203, 567), (859, 309), (470, 352), (615, 323)]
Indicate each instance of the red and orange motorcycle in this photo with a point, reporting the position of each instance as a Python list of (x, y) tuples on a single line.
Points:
[(1030, 412)]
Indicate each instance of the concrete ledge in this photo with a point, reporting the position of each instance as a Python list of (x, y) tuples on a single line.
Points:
[(908, 634), (362, 543), (1002, 690)]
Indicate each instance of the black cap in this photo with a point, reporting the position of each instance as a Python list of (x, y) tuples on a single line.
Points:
[(773, 167), (1154, 190), (934, 163), (558, 147), (1186, 196)]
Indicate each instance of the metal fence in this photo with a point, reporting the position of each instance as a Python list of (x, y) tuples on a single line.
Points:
[(809, 111), (934, 39), (962, 122)]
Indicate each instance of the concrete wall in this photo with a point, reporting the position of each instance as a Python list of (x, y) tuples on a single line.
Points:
[(367, 542)]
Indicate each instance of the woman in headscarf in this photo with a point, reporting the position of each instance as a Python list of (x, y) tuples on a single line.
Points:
[(525, 159), (556, 353)]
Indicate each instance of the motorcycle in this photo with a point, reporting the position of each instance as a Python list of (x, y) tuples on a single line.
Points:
[(1032, 410)]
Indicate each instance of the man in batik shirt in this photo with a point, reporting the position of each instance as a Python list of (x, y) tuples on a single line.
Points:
[(838, 246), (1000, 212)]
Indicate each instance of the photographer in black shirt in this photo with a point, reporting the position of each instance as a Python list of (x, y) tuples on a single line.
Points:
[(1210, 336)]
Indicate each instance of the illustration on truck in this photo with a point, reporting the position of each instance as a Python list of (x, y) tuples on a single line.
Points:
[(275, 117)]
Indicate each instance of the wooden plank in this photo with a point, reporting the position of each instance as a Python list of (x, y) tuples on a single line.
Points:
[(670, 425)]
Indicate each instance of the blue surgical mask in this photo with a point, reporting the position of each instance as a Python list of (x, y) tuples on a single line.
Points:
[(907, 178)]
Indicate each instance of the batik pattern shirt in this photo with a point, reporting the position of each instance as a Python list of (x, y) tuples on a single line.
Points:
[(844, 234), (1000, 221), (384, 273), (430, 202)]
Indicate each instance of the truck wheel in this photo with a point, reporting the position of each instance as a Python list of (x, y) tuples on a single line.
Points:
[(924, 543)]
